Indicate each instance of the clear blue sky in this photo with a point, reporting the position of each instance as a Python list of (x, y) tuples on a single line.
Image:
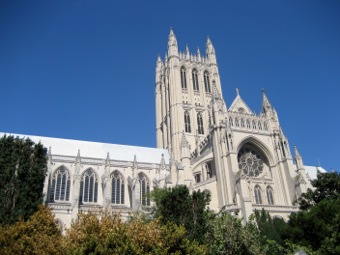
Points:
[(86, 69)]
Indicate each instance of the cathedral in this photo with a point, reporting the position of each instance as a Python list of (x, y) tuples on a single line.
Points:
[(242, 159)]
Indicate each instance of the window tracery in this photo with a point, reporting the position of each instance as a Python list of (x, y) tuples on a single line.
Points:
[(144, 189), (195, 80), (183, 77), (118, 189), (250, 163), (187, 125), (89, 187), (60, 187)]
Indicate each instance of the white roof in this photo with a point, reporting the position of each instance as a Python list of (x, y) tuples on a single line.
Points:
[(68, 147), (312, 171)]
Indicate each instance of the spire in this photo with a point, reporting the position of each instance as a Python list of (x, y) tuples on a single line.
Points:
[(237, 92), (210, 51), (198, 54), (107, 160), (187, 52), (172, 44), (298, 158), (158, 63), (266, 106)]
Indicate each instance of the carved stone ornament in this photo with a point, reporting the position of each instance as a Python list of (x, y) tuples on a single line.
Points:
[(250, 163)]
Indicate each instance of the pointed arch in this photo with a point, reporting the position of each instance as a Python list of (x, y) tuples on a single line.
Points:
[(231, 122), (88, 187), (260, 148), (257, 195), (144, 191), (270, 197), (183, 77), (60, 185), (117, 188), (207, 82), (195, 80), (187, 125), (200, 123)]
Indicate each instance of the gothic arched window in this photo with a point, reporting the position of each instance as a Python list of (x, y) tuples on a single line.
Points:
[(207, 82), (195, 80), (200, 124), (270, 196), (257, 193), (236, 122), (183, 77), (89, 187), (231, 122), (259, 125), (265, 126), (242, 122), (118, 189), (254, 124), (187, 122), (248, 123), (144, 189), (60, 186)]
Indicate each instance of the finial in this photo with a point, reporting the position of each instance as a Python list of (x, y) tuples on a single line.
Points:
[(237, 92)]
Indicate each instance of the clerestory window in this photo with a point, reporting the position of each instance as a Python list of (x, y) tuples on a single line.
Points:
[(60, 186), (118, 189), (144, 189), (89, 187)]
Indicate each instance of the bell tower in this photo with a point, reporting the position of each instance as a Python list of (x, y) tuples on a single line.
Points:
[(185, 83)]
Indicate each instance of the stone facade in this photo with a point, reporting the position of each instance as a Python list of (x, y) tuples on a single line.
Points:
[(241, 158)]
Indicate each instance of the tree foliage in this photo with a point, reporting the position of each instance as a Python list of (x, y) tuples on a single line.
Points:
[(22, 176), (326, 186), (226, 235), (38, 235), (177, 205)]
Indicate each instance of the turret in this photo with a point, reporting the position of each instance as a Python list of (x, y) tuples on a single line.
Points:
[(172, 45)]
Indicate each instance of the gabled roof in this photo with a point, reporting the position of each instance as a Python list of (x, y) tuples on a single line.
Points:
[(239, 105), (68, 147), (313, 170)]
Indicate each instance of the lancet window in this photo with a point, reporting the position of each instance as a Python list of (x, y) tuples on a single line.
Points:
[(60, 186), (89, 187), (195, 80), (270, 196), (257, 193), (187, 122), (118, 189), (144, 189), (200, 124), (207, 82), (183, 77)]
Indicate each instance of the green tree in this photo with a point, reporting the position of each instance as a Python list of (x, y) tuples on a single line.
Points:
[(226, 235), (38, 235), (22, 176), (317, 225), (177, 205), (108, 234), (326, 186)]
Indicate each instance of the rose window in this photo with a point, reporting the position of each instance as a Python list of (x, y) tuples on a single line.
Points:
[(250, 162)]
